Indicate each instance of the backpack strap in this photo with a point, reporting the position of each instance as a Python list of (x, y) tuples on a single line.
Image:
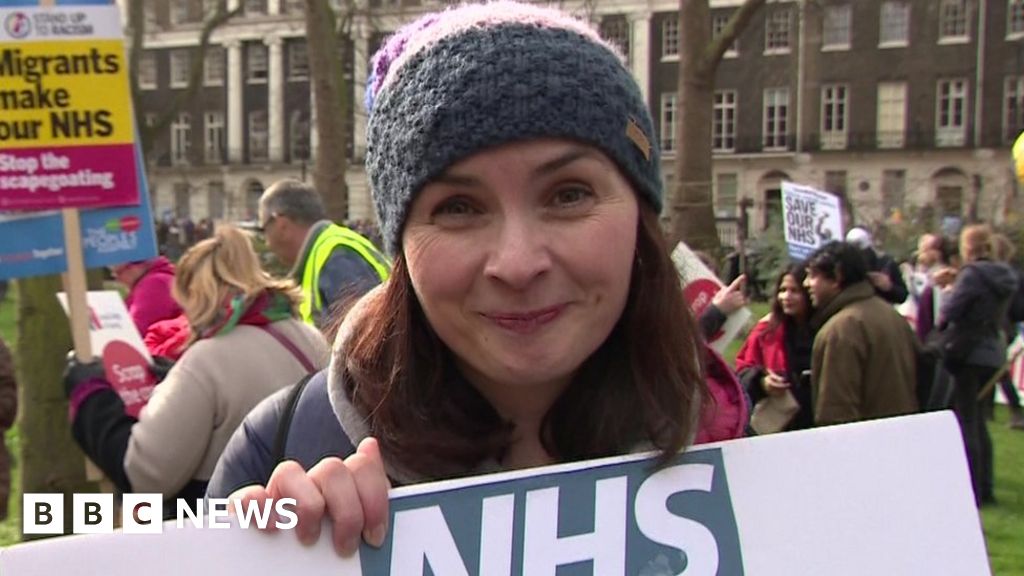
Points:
[(285, 423), (291, 347)]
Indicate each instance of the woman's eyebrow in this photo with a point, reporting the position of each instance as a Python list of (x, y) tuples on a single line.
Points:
[(563, 160)]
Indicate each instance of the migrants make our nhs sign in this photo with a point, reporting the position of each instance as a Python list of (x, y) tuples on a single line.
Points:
[(811, 217), (888, 496)]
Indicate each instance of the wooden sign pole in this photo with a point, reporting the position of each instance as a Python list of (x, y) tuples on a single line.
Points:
[(78, 309)]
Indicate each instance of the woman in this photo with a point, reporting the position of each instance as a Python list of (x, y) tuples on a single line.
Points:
[(777, 353), (533, 313), (971, 317), (246, 343)]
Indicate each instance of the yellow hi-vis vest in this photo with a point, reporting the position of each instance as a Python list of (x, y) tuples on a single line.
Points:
[(330, 238)]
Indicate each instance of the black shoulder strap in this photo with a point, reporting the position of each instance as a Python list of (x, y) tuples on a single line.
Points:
[(285, 423)]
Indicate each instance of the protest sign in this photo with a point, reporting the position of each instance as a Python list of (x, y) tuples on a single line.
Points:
[(882, 497), (66, 126), (700, 285), (812, 218), (125, 358), (31, 244)]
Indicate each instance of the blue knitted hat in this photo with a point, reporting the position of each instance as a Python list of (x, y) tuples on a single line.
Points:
[(458, 82)]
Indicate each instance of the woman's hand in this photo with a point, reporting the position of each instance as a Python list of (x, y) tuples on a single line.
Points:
[(774, 384), (352, 493)]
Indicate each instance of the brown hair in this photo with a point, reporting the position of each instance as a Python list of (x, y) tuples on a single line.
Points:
[(976, 242), (643, 384)]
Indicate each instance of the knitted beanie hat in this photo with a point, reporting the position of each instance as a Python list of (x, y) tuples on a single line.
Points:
[(458, 82)]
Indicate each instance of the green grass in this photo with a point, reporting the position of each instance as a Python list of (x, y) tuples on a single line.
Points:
[(1003, 523)]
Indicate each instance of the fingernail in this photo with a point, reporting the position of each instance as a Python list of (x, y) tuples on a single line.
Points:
[(375, 536), (350, 546)]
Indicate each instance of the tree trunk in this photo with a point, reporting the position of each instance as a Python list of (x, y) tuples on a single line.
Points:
[(50, 459), (692, 208), (331, 95), (693, 214)]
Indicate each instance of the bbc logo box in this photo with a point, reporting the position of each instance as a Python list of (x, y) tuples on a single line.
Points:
[(92, 513)]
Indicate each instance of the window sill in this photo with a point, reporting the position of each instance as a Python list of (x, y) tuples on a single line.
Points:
[(836, 48), (147, 86), (298, 78), (1013, 36), (954, 40), (178, 85), (670, 58), (255, 80), (731, 54), (213, 84), (895, 44), (776, 52)]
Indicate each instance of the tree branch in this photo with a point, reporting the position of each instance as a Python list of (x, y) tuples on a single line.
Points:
[(720, 44)]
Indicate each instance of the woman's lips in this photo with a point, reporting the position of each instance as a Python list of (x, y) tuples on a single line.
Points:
[(525, 322)]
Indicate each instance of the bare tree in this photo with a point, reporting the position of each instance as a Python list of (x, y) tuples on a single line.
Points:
[(137, 31), (692, 213), (326, 35)]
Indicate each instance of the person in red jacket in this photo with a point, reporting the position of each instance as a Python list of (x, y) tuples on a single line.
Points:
[(149, 290), (777, 354)]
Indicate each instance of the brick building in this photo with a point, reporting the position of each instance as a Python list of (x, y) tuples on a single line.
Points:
[(898, 105)]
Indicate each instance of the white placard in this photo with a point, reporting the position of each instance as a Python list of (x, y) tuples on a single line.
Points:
[(888, 496), (811, 219), (699, 287), (109, 321)]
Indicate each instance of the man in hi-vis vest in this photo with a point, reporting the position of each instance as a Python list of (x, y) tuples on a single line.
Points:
[(329, 261)]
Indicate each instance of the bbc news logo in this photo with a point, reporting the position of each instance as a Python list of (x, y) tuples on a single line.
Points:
[(144, 513)]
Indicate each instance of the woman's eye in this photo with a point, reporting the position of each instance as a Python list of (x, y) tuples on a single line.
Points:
[(454, 207), (572, 195)]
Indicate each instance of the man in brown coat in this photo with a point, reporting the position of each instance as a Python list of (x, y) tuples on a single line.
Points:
[(863, 364), (8, 410)]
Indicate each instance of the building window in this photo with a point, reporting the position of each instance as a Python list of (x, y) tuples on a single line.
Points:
[(726, 195), (298, 136), (953, 21), (723, 128), (894, 188), (210, 8), (835, 183), (892, 112), (147, 71), (834, 116), (894, 28), (668, 121), (182, 197), (151, 16), (259, 140), (951, 113), (670, 37), (213, 145), (213, 66), (1013, 112), (836, 29), (298, 60), (181, 138), (718, 24), (616, 31), (255, 7), (180, 64), (293, 6), (776, 119), (215, 199), (179, 11), (256, 54), (1015, 18), (776, 32)]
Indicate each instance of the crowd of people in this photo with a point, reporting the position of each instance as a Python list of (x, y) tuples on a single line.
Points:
[(522, 308)]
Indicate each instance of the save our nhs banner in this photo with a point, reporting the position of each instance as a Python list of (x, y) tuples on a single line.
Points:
[(32, 243), (812, 218), (888, 496)]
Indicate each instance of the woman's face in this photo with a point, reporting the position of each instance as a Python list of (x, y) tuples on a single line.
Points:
[(791, 297), (521, 258)]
